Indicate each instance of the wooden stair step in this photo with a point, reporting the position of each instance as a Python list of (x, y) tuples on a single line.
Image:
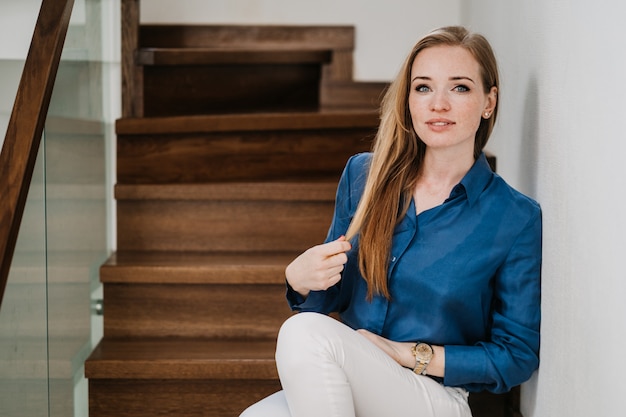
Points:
[(188, 358), (241, 148), (237, 56), (273, 217), (232, 191), (195, 268), (331, 119), (174, 294), (180, 377), (294, 36)]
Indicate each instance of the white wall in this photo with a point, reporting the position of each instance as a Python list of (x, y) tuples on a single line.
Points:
[(561, 139), (385, 30)]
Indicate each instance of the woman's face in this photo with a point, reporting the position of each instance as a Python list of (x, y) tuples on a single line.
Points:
[(447, 99)]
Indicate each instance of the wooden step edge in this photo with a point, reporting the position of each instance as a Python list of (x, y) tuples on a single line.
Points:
[(336, 37), (182, 359), (231, 191), (237, 56), (127, 267), (334, 119)]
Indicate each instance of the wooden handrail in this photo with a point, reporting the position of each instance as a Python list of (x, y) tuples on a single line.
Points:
[(23, 136)]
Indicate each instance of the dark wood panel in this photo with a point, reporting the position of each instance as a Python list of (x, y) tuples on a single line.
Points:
[(132, 74), (486, 404), (222, 311), (222, 89)]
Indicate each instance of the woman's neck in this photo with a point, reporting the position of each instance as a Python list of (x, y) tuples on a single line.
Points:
[(438, 175), (444, 170)]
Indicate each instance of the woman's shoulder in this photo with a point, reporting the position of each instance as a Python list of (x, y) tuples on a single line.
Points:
[(357, 167), (359, 161), (513, 198)]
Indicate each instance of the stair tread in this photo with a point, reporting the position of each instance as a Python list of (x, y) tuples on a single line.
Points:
[(232, 55), (196, 267), (183, 358), (323, 190), (331, 119)]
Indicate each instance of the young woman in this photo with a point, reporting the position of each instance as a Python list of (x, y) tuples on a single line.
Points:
[(432, 261)]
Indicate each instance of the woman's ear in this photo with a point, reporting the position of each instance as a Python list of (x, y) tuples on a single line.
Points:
[(492, 99)]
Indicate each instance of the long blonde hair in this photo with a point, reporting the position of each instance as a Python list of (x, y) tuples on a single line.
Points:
[(398, 154)]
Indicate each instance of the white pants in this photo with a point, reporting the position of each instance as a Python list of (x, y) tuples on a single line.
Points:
[(329, 370)]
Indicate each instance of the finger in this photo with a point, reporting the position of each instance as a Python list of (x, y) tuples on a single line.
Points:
[(333, 280), (340, 245), (335, 270), (336, 260)]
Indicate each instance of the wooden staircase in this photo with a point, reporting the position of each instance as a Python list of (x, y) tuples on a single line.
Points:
[(228, 155)]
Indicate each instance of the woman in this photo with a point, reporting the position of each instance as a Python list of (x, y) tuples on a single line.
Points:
[(437, 280)]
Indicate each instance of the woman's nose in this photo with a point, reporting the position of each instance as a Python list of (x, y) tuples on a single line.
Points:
[(440, 102)]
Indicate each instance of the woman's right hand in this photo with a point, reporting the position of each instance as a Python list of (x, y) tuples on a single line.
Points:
[(319, 267)]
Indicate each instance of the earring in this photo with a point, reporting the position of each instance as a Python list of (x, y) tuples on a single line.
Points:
[(487, 114)]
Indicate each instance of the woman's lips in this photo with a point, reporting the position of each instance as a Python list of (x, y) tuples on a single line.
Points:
[(439, 124)]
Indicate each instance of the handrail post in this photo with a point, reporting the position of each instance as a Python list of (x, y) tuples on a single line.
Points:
[(132, 74)]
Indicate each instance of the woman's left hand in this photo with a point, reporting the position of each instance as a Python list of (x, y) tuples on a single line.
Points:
[(399, 351)]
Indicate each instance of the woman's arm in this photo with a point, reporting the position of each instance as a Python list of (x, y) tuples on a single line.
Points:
[(401, 353)]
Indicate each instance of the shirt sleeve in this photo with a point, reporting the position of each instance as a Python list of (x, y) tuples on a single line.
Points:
[(512, 353), (326, 301)]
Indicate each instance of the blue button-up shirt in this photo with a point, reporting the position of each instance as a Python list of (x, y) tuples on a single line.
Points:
[(465, 275)]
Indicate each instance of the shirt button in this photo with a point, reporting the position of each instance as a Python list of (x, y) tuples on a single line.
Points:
[(393, 259)]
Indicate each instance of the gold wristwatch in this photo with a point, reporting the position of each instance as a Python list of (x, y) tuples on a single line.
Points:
[(423, 353)]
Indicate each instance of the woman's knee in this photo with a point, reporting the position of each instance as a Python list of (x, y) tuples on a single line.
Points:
[(305, 336), (302, 328)]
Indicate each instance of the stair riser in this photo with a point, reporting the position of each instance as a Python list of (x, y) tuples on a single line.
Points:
[(181, 398), (221, 89), (221, 226), (193, 158), (223, 311)]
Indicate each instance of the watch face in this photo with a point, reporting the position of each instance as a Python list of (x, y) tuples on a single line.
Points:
[(423, 350)]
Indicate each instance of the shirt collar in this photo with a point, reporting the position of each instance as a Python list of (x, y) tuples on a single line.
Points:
[(476, 179)]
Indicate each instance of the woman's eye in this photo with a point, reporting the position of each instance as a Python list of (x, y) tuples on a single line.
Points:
[(422, 88), (461, 89)]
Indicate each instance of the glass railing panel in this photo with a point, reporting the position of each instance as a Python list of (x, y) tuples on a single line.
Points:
[(23, 316), (48, 325), (78, 146)]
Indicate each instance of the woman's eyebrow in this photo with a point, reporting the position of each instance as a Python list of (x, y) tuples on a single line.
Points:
[(462, 78), (455, 78)]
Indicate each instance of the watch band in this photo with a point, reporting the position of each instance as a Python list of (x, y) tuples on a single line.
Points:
[(423, 353)]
